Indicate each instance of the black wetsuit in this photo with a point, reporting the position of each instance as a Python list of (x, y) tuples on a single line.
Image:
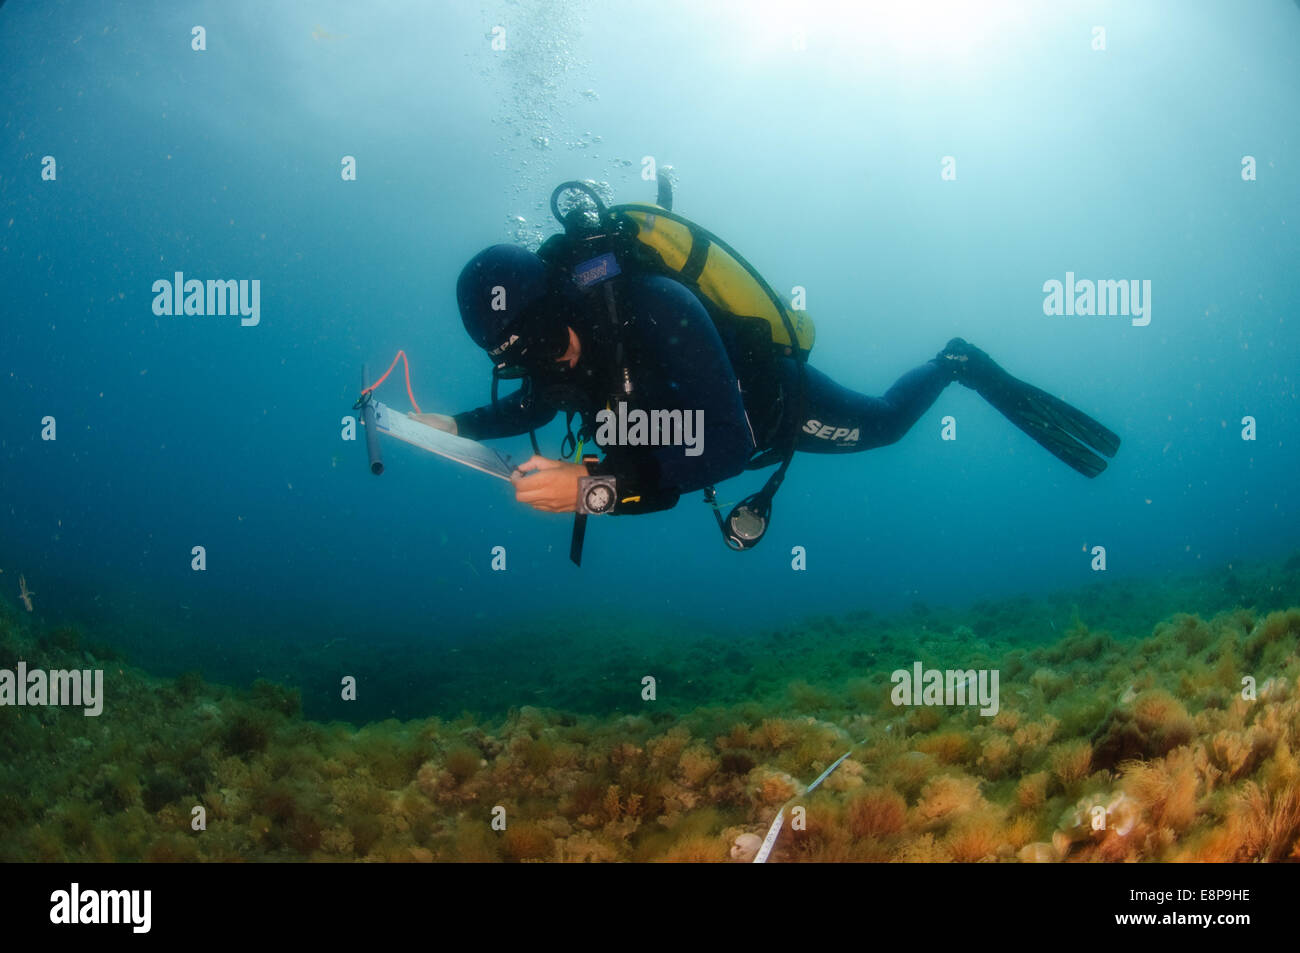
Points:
[(678, 360)]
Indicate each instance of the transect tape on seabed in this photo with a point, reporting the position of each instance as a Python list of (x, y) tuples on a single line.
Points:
[(772, 832), (466, 452)]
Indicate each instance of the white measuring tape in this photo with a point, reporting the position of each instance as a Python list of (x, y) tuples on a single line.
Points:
[(774, 831)]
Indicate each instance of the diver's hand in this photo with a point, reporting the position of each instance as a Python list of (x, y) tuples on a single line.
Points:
[(441, 421), (553, 488)]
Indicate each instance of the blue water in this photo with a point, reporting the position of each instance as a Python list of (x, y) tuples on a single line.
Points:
[(822, 165)]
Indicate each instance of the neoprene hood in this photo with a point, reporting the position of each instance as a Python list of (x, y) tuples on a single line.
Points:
[(502, 298)]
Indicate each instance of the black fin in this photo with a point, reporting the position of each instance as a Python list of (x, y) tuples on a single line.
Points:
[(1064, 431)]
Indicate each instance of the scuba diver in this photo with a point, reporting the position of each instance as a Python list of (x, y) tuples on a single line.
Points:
[(634, 306)]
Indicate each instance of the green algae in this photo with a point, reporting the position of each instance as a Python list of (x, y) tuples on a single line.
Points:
[(1145, 715)]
